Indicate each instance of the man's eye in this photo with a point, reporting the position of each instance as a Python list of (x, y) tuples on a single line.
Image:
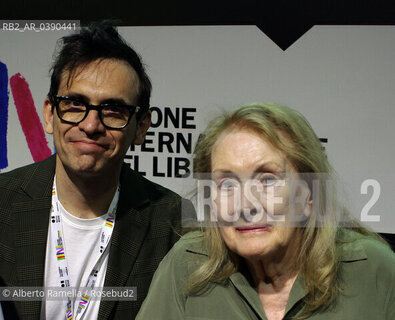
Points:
[(116, 111), (76, 104), (72, 105)]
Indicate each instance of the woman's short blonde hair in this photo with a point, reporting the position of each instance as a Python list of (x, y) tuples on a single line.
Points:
[(289, 132)]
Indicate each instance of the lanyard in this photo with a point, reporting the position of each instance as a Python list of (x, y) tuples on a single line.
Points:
[(57, 235)]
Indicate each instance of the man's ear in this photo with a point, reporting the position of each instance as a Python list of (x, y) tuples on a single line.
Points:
[(142, 127), (48, 116)]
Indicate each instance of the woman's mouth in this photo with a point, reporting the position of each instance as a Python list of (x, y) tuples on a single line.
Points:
[(254, 228)]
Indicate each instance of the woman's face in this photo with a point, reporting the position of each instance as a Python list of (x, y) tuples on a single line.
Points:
[(252, 195)]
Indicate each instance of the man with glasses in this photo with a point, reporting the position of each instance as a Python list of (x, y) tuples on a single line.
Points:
[(83, 218)]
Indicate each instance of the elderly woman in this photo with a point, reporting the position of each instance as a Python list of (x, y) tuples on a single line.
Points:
[(279, 248)]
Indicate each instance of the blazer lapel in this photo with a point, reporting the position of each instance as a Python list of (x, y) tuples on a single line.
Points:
[(31, 213), (131, 226)]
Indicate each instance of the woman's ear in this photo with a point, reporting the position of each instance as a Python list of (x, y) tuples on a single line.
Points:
[(309, 206), (302, 198)]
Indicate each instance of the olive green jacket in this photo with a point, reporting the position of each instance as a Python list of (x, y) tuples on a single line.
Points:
[(368, 288), (148, 218)]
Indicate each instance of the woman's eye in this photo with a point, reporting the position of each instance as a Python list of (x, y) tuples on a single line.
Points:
[(228, 184), (268, 179)]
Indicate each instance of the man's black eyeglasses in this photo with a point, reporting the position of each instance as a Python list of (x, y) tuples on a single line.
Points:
[(112, 115)]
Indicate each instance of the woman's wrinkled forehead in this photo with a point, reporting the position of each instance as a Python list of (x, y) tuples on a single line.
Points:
[(243, 150)]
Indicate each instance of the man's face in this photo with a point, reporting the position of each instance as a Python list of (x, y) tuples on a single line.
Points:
[(88, 148)]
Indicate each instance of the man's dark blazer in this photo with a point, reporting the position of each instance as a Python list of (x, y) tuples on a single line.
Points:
[(147, 225)]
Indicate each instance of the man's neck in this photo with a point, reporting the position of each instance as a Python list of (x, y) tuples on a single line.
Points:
[(85, 196)]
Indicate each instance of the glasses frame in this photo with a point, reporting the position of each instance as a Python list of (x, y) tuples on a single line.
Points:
[(57, 99)]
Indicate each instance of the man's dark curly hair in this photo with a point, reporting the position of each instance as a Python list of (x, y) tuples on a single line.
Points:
[(95, 42)]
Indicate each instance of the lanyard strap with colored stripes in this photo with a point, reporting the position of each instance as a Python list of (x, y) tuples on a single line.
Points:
[(58, 237)]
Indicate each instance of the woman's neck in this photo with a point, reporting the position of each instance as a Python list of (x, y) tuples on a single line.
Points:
[(278, 268)]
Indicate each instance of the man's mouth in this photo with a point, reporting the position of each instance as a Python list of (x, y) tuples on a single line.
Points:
[(89, 145)]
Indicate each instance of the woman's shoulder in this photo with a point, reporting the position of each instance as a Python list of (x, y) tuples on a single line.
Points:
[(356, 246), (367, 272), (186, 252), (190, 243), (166, 298)]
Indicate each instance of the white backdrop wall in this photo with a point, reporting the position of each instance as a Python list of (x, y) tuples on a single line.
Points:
[(340, 77)]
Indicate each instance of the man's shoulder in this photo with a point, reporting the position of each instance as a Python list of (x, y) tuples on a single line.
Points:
[(146, 188), (158, 189), (16, 178), (157, 203), (13, 179), (32, 181)]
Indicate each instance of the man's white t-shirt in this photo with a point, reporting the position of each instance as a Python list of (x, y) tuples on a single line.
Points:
[(81, 241)]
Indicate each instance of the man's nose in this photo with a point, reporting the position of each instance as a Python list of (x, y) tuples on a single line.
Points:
[(92, 123)]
